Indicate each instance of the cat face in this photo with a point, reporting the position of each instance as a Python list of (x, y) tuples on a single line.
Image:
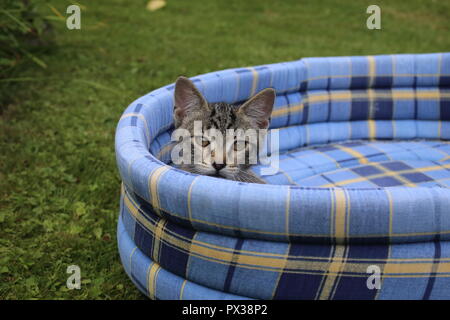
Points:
[(221, 159)]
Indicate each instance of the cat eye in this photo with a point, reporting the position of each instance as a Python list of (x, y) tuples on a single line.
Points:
[(201, 141)]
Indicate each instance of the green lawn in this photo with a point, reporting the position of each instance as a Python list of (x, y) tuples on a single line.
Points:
[(59, 187)]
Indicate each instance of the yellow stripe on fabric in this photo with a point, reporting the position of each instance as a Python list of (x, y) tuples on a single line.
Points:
[(324, 276), (154, 179), (440, 150), (376, 147), (269, 264), (182, 289), (284, 173), (332, 268), (254, 81), (278, 265), (146, 223), (372, 129), (157, 238), (442, 267), (152, 275), (391, 210), (382, 279), (338, 165), (189, 260), (197, 248), (296, 87), (408, 95), (227, 257), (388, 173), (359, 156), (391, 269), (139, 218), (283, 111), (275, 287), (168, 147), (382, 75), (347, 96), (371, 60), (130, 205), (432, 95), (341, 213), (333, 272), (288, 177), (325, 97)]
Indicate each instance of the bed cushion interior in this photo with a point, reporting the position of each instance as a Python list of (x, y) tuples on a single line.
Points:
[(366, 164)]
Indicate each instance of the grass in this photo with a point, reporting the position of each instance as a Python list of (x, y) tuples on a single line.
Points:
[(59, 187)]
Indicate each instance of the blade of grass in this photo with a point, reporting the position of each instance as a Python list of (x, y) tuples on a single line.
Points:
[(20, 23), (35, 59), (55, 11)]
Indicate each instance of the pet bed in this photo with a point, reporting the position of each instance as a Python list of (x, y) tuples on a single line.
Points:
[(359, 208)]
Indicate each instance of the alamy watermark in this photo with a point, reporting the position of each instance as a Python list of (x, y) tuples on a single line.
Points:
[(73, 22), (374, 280), (374, 20), (74, 280)]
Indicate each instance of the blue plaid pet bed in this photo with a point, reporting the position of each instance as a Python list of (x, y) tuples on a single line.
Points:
[(359, 208)]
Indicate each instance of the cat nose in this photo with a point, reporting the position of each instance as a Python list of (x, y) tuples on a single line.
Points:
[(218, 166)]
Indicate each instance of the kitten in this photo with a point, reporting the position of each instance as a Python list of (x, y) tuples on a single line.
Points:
[(191, 106)]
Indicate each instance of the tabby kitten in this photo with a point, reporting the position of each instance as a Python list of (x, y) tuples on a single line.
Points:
[(191, 106)]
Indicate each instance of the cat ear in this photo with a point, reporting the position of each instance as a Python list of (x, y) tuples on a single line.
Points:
[(259, 108), (187, 99)]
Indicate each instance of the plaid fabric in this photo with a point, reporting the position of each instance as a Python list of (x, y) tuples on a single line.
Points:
[(155, 282), (348, 199), (364, 164), (281, 270), (327, 105)]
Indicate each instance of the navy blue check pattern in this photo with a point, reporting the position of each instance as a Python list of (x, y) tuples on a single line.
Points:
[(363, 183)]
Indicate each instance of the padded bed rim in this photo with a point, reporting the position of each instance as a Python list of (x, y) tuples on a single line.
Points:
[(158, 283), (219, 262), (270, 211)]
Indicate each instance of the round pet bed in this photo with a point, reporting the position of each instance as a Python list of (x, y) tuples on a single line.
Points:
[(359, 208)]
